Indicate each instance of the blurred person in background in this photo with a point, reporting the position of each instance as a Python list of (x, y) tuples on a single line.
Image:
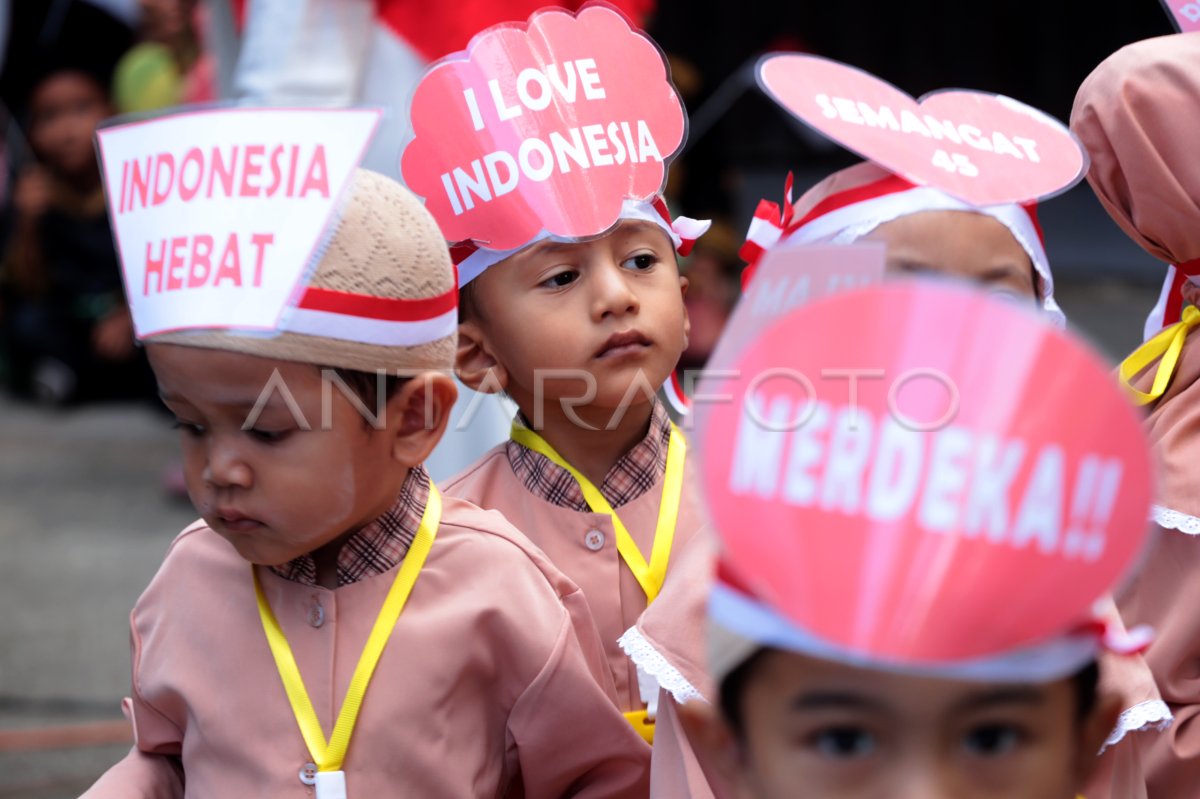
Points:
[(68, 335), (713, 271), (169, 66)]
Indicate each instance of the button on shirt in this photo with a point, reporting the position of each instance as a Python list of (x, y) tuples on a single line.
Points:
[(583, 543)]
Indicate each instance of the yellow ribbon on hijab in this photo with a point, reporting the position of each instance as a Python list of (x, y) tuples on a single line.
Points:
[(329, 756), (1165, 348)]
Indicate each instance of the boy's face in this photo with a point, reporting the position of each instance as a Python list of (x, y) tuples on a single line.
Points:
[(960, 244), (608, 313), (64, 112), (275, 491), (830, 731)]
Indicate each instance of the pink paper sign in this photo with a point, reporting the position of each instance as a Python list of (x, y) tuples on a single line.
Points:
[(549, 126), (901, 462), (1184, 13), (217, 213), (790, 275), (982, 148)]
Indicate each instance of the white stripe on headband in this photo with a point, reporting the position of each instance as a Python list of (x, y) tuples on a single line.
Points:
[(1046, 662), (849, 223), (680, 231), (367, 319), (364, 330)]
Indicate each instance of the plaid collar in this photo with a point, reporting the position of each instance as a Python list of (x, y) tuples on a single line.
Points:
[(377, 547), (630, 477)]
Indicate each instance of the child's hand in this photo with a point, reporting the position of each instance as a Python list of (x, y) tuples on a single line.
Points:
[(32, 194), (112, 337)]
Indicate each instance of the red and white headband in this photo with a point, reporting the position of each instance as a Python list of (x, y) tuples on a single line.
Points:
[(366, 319), (471, 259), (1169, 308), (849, 215)]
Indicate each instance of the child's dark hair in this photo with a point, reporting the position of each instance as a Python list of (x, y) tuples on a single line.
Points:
[(366, 385), (1085, 681), (468, 307)]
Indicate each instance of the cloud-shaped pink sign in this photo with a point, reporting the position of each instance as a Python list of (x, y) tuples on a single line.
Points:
[(550, 124)]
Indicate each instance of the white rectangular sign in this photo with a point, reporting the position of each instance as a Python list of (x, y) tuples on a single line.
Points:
[(217, 213)]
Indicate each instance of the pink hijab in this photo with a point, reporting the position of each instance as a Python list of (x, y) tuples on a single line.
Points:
[(1136, 115)]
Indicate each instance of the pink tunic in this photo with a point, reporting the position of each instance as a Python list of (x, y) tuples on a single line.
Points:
[(484, 690), (584, 546)]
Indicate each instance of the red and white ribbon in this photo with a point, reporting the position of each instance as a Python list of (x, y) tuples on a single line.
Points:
[(387, 322), (472, 260)]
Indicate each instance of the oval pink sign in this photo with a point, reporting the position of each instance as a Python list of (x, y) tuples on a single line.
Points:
[(901, 462)]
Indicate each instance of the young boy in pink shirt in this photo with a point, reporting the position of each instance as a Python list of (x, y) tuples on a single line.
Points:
[(571, 304), (333, 621)]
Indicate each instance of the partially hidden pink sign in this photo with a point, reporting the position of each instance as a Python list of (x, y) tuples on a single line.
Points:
[(890, 471), (1184, 13), (789, 276), (543, 126), (982, 148)]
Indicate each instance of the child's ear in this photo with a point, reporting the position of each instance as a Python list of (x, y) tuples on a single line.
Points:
[(418, 414), (476, 366), (1094, 731), (712, 740), (687, 322)]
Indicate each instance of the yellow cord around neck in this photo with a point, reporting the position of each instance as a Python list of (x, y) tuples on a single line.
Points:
[(650, 575), (329, 756)]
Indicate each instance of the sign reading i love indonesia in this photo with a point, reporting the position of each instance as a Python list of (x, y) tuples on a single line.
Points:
[(888, 474), (217, 214), (982, 148), (547, 125)]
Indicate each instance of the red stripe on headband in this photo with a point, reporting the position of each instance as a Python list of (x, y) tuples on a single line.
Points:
[(660, 205), (891, 184), (1174, 310), (1031, 211), (386, 309)]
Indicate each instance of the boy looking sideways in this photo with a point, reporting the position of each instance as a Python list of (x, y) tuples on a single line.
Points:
[(571, 298)]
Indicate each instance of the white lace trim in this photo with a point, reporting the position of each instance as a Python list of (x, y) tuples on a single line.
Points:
[(1174, 520), (1152, 715), (650, 660)]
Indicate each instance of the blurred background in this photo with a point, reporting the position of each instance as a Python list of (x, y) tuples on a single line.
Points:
[(90, 493)]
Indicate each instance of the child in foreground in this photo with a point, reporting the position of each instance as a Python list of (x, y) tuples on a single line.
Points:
[(869, 640), (305, 465), (929, 233)]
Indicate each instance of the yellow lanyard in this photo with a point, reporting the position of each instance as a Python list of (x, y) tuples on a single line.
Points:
[(1166, 346), (329, 756), (650, 575)]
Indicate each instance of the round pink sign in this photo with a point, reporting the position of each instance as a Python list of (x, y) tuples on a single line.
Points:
[(901, 462)]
